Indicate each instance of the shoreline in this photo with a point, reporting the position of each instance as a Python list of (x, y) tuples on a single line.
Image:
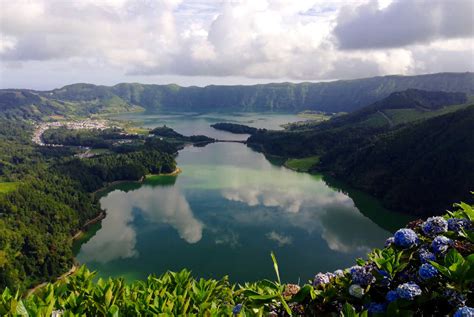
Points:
[(71, 271), (102, 214)]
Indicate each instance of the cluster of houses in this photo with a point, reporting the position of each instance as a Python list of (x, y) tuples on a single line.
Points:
[(74, 125)]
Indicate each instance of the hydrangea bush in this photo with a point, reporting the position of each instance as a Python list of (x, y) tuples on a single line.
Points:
[(425, 269)]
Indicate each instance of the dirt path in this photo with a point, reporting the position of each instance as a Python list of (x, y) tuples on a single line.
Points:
[(63, 276)]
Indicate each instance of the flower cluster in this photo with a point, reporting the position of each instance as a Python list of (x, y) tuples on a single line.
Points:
[(236, 310), (456, 224), (426, 256), (356, 291), (440, 244), (389, 241), (361, 275), (377, 308), (464, 312), (408, 290), (434, 226), (405, 238), (412, 273), (391, 296), (321, 279), (427, 271)]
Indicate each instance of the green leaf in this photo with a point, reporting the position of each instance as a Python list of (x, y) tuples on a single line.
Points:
[(453, 257), (348, 310), (445, 271), (21, 309), (285, 305), (275, 266)]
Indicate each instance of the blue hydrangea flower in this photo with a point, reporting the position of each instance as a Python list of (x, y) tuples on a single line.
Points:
[(391, 296), (389, 241), (440, 244), (434, 225), (405, 238), (426, 256), (456, 224), (361, 275), (375, 308), (356, 291), (339, 273), (237, 308), (464, 312), (427, 271), (321, 279), (408, 290)]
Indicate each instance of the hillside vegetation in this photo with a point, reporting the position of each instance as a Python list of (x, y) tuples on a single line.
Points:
[(337, 96), (413, 166), (45, 196)]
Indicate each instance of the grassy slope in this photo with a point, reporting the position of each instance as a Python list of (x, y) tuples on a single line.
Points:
[(302, 164), (7, 187)]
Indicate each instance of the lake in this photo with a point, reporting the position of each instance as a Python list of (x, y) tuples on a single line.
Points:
[(228, 209)]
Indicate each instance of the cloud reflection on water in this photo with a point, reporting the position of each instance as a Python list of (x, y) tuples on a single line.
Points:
[(330, 212), (117, 237)]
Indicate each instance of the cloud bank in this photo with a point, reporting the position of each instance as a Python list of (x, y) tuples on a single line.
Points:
[(279, 39)]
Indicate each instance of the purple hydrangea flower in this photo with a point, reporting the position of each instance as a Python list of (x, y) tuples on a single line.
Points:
[(237, 308), (361, 275), (389, 242), (375, 308), (426, 256), (464, 312), (321, 279), (456, 224), (434, 225), (440, 244), (405, 238), (408, 290), (339, 273), (391, 296), (427, 271)]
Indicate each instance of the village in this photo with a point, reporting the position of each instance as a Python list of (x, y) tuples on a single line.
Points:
[(73, 125)]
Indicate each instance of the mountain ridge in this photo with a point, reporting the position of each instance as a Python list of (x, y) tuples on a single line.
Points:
[(334, 96)]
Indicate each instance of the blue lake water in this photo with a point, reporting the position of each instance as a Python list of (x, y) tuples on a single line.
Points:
[(228, 209)]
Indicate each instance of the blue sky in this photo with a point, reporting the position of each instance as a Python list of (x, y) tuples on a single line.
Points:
[(46, 44)]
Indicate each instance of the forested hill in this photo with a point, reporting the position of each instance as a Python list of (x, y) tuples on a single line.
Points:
[(424, 158), (398, 108), (336, 96)]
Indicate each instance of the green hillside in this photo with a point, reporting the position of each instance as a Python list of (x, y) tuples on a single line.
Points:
[(421, 159), (336, 96)]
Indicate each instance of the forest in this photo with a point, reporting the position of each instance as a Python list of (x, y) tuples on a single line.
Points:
[(415, 166), (234, 128), (52, 200)]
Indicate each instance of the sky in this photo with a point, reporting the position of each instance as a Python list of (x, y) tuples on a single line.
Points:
[(47, 44)]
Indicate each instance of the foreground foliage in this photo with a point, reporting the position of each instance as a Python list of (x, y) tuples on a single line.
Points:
[(426, 269)]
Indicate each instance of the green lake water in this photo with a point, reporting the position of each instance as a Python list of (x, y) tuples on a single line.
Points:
[(227, 210)]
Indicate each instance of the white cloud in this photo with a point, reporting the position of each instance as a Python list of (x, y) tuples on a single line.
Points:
[(281, 239), (272, 39)]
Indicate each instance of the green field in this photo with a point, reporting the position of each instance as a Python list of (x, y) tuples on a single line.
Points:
[(303, 164), (399, 116), (6, 187)]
